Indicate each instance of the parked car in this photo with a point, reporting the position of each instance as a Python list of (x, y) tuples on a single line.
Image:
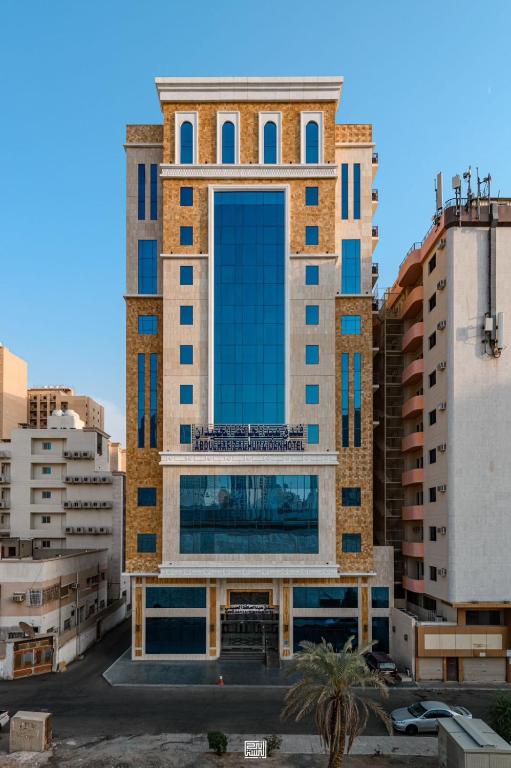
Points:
[(382, 663), (423, 716), (4, 718)]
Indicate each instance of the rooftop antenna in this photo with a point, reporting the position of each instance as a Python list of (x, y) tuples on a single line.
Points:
[(439, 195), (483, 190), (467, 177), (456, 185)]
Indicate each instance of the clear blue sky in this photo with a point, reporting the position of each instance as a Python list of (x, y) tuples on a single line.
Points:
[(433, 77)]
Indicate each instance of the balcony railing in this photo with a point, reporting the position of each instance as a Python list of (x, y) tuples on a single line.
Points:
[(375, 230), (374, 195), (375, 158), (248, 437)]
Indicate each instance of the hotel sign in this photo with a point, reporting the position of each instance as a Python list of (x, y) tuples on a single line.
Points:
[(248, 437)]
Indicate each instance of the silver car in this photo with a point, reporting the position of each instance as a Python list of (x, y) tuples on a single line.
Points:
[(423, 716)]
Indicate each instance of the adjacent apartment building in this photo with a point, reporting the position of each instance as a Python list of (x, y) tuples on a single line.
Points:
[(13, 391), (444, 443), (42, 401), (249, 509)]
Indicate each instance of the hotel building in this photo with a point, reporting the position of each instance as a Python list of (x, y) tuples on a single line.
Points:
[(249, 506)]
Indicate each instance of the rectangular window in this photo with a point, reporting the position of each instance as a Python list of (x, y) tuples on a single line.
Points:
[(186, 197), (45, 543), (432, 340), (147, 325), (185, 275), (344, 191), (351, 497), (311, 274), (146, 542), (311, 235), (311, 195), (432, 532), (432, 417), (46, 446), (432, 456), (333, 629), (141, 191), (153, 399), (248, 514), (356, 190), (154, 192), (432, 573), (351, 325), (351, 542), (146, 497), (311, 314), (186, 394), (175, 597), (185, 434), (312, 394), (351, 266), (185, 235), (183, 634), (186, 354), (380, 633), (325, 597), (45, 519), (380, 597), (46, 494), (345, 399), (432, 379), (432, 495), (311, 354), (432, 264), (313, 434), (357, 399), (147, 267), (432, 302), (46, 470), (186, 315), (141, 400)]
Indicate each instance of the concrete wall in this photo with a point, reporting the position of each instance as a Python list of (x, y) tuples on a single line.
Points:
[(13, 392), (403, 639)]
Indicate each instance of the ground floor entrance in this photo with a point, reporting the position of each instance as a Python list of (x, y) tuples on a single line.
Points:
[(249, 626)]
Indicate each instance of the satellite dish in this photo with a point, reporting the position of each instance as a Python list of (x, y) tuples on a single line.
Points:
[(28, 629)]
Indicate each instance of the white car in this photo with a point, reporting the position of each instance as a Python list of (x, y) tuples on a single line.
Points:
[(4, 718), (423, 716)]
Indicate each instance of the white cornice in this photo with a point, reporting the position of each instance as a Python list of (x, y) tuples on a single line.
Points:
[(235, 89), (323, 171), (313, 255), (221, 571), (251, 458), (182, 256)]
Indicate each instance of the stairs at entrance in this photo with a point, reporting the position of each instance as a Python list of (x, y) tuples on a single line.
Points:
[(242, 654)]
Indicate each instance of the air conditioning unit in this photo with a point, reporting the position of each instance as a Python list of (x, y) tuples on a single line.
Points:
[(18, 597), (442, 530), (95, 504), (79, 529), (442, 406), (85, 504), (441, 284), (95, 479), (442, 488), (441, 244), (442, 447), (442, 365), (441, 325), (438, 619), (4, 504), (77, 454), (105, 504), (91, 529), (70, 529), (68, 479), (68, 504), (442, 571)]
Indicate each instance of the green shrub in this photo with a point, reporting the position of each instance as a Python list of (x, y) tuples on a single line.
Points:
[(500, 716), (273, 743), (217, 741)]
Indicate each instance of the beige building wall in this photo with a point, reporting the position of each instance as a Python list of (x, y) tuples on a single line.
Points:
[(44, 400), (13, 392)]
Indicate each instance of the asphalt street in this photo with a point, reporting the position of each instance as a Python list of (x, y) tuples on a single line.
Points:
[(82, 702)]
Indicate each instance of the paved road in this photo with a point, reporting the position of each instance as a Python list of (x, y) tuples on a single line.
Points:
[(82, 702)]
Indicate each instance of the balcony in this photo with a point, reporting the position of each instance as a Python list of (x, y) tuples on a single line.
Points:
[(411, 267), (5, 504), (413, 585), (413, 548), (375, 162), (412, 407), (5, 453), (413, 303), (415, 512), (374, 199), (412, 477), (412, 442), (4, 478), (413, 372), (375, 272), (412, 339)]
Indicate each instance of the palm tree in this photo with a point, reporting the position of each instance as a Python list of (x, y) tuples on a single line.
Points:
[(327, 687)]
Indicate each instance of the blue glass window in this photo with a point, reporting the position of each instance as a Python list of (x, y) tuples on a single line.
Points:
[(185, 434), (380, 597), (186, 354), (312, 142), (311, 235), (141, 191), (46, 471), (186, 394), (228, 132), (185, 235), (351, 542), (356, 191), (185, 275), (248, 514), (154, 192), (175, 597), (249, 307), (185, 315), (311, 274), (186, 143), (344, 191), (335, 630), (311, 195), (141, 400), (312, 394), (325, 597), (312, 354), (146, 497), (380, 633), (357, 399), (147, 266), (153, 399), (345, 399), (351, 325), (313, 434), (351, 266), (165, 634), (311, 314), (146, 542), (270, 142), (186, 196), (147, 325), (351, 497)]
